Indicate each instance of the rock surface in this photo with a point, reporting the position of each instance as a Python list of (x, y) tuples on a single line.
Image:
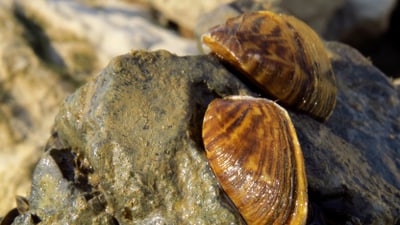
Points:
[(355, 175), (47, 50), (126, 147)]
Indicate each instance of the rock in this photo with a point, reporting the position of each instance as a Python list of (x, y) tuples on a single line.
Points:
[(358, 21), (47, 50), (185, 13), (73, 55), (317, 13), (351, 159), (30, 93), (110, 28), (126, 147)]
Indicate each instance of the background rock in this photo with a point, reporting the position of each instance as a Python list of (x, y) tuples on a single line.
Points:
[(185, 13), (30, 93), (350, 20), (112, 27), (359, 20), (126, 147)]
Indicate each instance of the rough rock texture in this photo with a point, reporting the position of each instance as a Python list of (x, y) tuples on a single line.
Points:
[(47, 50), (126, 147), (355, 174)]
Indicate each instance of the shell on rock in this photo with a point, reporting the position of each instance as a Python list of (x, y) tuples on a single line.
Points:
[(281, 55), (253, 150)]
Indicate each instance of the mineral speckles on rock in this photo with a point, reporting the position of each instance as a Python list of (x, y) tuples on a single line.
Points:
[(134, 124)]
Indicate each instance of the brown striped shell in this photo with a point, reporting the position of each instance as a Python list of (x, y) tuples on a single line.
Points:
[(281, 55), (253, 150)]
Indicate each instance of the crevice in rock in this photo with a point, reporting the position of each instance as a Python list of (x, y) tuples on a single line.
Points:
[(199, 106), (114, 221), (36, 219), (65, 161), (72, 168)]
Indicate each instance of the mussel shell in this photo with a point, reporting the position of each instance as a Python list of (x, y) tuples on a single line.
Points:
[(253, 150), (281, 55)]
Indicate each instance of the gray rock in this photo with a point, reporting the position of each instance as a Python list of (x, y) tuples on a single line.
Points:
[(358, 21), (127, 149), (316, 13), (351, 163)]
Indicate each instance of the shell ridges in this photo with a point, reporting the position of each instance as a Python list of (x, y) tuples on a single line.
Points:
[(253, 150)]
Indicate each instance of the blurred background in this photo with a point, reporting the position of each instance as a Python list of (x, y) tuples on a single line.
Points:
[(50, 48)]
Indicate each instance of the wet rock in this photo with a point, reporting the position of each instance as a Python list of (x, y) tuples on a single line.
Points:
[(126, 147), (47, 50)]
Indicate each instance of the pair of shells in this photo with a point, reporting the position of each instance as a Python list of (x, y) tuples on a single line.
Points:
[(251, 144)]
